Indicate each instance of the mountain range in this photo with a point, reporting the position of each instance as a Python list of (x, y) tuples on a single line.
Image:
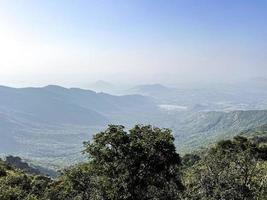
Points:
[(51, 120), (246, 95), (49, 124)]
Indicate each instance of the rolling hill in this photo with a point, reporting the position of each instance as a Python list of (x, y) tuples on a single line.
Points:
[(196, 130), (53, 120), (49, 124)]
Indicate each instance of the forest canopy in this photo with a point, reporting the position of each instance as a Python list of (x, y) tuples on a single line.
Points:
[(142, 164)]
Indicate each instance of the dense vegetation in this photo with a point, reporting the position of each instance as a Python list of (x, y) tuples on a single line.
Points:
[(142, 164), (234, 169)]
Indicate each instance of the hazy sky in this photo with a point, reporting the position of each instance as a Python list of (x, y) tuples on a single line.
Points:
[(74, 43)]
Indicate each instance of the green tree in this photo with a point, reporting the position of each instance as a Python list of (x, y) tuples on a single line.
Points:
[(189, 160), (231, 170), (140, 164), (76, 183)]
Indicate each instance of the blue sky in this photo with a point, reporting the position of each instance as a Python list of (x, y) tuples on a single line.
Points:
[(76, 42)]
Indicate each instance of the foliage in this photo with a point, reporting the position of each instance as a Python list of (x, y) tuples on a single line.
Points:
[(17, 162), (189, 160), (17, 185), (75, 183), (143, 164), (230, 170)]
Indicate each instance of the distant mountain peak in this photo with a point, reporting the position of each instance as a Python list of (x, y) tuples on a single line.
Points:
[(102, 82), (57, 87), (101, 86)]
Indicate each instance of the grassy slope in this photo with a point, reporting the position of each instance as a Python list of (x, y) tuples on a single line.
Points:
[(194, 131)]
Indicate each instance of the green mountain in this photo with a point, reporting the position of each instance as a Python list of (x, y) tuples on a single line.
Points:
[(49, 124), (52, 122), (196, 130)]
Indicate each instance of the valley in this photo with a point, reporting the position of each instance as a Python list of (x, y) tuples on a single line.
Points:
[(49, 124)]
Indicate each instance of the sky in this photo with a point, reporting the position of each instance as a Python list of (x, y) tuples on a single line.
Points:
[(74, 43)]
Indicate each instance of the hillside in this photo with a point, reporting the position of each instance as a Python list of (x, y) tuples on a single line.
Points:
[(245, 95), (51, 121), (195, 130), (49, 124)]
